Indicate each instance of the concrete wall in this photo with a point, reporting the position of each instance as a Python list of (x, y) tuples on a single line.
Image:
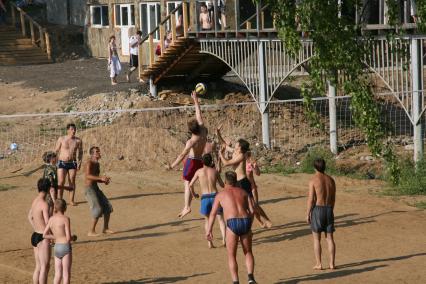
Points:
[(57, 11)]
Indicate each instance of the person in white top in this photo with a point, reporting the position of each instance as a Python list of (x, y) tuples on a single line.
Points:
[(134, 42)]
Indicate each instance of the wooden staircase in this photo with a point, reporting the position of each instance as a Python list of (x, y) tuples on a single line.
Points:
[(17, 50), (183, 59)]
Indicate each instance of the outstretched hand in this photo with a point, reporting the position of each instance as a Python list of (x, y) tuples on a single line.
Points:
[(168, 167)]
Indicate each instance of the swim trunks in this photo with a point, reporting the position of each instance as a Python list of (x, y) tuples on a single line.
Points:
[(98, 202), (67, 165), (207, 204), (239, 226), (190, 167), (36, 238), (62, 250), (322, 219), (246, 185)]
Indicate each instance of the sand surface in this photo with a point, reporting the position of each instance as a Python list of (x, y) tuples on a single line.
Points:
[(379, 240)]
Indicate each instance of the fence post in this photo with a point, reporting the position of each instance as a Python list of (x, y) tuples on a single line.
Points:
[(332, 116), (12, 9), (48, 46), (263, 83), (32, 32), (151, 50), (185, 18), (417, 86)]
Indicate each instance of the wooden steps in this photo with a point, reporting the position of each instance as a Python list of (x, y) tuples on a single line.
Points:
[(17, 50)]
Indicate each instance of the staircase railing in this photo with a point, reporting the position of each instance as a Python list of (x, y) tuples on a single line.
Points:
[(176, 31), (39, 36)]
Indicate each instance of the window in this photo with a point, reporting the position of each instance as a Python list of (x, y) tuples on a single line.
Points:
[(171, 5), (99, 16), (125, 15), (150, 18)]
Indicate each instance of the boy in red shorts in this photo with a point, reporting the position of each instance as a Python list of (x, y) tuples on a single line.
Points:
[(194, 148)]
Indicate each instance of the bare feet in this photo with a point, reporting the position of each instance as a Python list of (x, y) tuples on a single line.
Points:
[(211, 244), (93, 234), (318, 267), (268, 224), (224, 243), (108, 231), (332, 267), (72, 203), (184, 212)]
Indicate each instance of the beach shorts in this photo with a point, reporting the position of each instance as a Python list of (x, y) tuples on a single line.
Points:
[(239, 226), (98, 203), (207, 201), (190, 167), (67, 165), (322, 219), (36, 238), (246, 185)]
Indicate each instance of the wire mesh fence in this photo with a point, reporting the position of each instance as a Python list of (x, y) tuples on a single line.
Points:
[(141, 138)]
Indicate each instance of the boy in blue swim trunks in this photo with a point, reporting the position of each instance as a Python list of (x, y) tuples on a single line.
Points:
[(238, 211), (193, 150), (208, 177)]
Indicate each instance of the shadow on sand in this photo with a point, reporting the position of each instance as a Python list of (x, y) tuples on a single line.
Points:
[(132, 196), (343, 271), (160, 280)]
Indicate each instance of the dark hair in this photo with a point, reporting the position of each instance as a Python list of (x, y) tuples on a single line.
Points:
[(111, 37), (244, 145), (208, 160), (69, 125), (203, 5), (92, 149), (194, 127), (43, 185), (47, 156), (139, 33), (60, 205), (231, 178), (319, 164)]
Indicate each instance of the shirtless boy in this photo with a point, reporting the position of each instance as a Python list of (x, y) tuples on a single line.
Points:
[(208, 177), (194, 148), (59, 229), (238, 212), (205, 20), (70, 153), (319, 212), (38, 218), (238, 163), (99, 204)]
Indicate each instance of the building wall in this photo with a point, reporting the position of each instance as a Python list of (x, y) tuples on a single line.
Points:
[(77, 11), (57, 12)]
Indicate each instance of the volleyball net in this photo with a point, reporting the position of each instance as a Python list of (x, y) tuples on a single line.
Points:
[(135, 139)]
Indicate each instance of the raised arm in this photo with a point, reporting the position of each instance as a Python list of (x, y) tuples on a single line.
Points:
[(310, 202), (236, 159), (197, 108), (182, 155)]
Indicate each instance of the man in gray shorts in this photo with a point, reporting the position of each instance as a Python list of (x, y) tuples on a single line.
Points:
[(99, 204), (319, 212)]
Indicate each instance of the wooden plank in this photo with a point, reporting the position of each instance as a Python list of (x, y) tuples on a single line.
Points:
[(185, 18), (23, 28), (151, 50)]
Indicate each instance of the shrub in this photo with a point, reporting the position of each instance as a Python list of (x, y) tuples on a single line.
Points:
[(413, 178), (307, 164)]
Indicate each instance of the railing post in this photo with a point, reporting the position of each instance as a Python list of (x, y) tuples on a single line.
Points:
[(185, 18), (162, 39), (263, 83), (237, 17), (416, 75), (332, 117), (48, 46), (258, 11), (151, 50), (12, 9), (41, 33), (173, 27), (32, 32), (24, 31)]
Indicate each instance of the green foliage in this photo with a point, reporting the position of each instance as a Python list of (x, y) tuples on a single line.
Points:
[(6, 187), (340, 49), (307, 164), (279, 169), (412, 178), (420, 205)]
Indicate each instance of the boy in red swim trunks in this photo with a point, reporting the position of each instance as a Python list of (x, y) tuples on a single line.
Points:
[(194, 148)]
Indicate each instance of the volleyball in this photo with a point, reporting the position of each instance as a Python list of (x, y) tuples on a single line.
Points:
[(200, 89)]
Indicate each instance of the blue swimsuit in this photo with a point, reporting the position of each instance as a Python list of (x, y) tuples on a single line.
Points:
[(239, 226)]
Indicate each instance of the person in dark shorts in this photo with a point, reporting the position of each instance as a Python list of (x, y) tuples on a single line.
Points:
[(238, 212), (134, 43), (319, 212), (99, 204)]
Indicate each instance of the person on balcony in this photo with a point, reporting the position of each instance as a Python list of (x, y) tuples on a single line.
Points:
[(205, 20)]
